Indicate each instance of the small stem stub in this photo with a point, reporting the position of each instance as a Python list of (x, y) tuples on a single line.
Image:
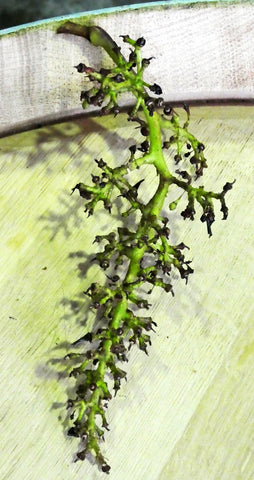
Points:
[(139, 258)]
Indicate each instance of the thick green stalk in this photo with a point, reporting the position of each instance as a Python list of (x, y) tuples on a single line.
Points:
[(153, 208)]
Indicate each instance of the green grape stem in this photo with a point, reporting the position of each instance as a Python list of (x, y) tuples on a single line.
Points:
[(117, 302)]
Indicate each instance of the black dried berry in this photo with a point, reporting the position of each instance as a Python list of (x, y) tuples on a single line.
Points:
[(88, 337), (146, 62), (144, 146), (228, 186), (200, 147), (144, 131), (81, 455), (105, 468), (95, 178), (115, 278), (156, 89), (118, 78), (133, 148), (73, 432), (177, 158), (168, 110), (125, 38), (100, 163), (133, 58), (105, 71), (140, 42), (159, 102), (118, 296), (81, 67)]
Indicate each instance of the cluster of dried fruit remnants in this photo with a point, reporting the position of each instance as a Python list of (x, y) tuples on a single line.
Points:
[(136, 256)]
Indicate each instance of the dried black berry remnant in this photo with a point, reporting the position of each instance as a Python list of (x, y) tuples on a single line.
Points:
[(156, 89)]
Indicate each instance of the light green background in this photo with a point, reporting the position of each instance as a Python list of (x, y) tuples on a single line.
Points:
[(186, 411)]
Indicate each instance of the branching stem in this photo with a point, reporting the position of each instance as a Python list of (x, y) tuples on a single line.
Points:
[(139, 255)]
